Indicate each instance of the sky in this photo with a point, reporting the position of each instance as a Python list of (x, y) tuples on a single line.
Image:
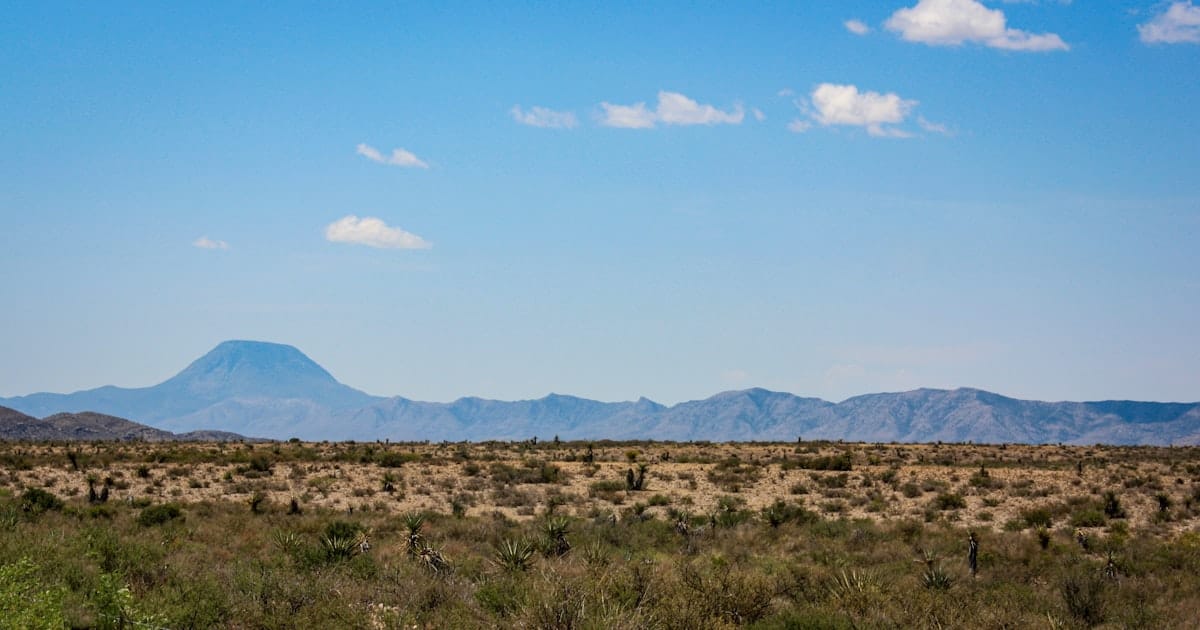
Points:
[(610, 200)]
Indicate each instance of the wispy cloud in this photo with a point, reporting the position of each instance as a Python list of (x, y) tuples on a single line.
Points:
[(955, 22), (1178, 24), (858, 27), (833, 104), (799, 125), (399, 157), (207, 243), (673, 109), (933, 127), (372, 232), (543, 117)]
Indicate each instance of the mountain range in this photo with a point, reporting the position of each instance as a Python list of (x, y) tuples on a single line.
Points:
[(89, 426), (274, 390)]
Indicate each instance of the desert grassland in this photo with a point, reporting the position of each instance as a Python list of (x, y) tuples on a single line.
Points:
[(598, 535)]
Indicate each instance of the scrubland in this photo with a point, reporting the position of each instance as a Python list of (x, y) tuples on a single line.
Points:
[(549, 534)]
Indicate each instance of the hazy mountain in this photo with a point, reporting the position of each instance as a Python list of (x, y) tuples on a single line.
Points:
[(276, 391), (15, 425), (254, 375)]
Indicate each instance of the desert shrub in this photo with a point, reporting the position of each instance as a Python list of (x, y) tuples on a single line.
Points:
[(1090, 517), (531, 471), (841, 461), (731, 474), (949, 501), (1037, 517), (159, 514), (781, 512), (25, 603), (36, 501), (1112, 505), (1083, 592)]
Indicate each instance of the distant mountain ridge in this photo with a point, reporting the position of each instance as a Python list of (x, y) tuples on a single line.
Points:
[(90, 426), (274, 390)]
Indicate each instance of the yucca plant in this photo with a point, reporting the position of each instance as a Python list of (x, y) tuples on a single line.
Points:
[(287, 542), (414, 540), (936, 578), (434, 560), (514, 555), (338, 547), (556, 536)]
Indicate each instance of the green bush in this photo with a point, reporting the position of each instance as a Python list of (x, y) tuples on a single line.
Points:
[(24, 603), (949, 501), (159, 514), (1090, 517), (36, 501), (1037, 517)]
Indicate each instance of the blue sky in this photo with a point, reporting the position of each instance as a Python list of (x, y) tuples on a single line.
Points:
[(668, 200)]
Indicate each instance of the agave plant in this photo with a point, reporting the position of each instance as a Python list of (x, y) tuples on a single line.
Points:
[(414, 540), (514, 555)]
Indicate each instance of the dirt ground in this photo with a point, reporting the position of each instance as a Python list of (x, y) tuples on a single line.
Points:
[(980, 486)]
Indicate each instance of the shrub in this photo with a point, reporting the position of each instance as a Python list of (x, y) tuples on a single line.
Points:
[(1037, 517), (949, 501), (24, 603), (1090, 517), (36, 501), (1084, 594), (159, 514), (1112, 505)]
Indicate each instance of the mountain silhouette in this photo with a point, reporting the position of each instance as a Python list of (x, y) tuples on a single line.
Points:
[(274, 390)]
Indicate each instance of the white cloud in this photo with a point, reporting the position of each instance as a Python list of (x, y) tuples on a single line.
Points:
[(1179, 24), (207, 243), (858, 27), (845, 105), (954, 22), (758, 114), (373, 233), (544, 117), (634, 116), (399, 157), (677, 109), (673, 109)]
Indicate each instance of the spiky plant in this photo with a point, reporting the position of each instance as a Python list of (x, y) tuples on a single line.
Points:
[(514, 555), (414, 540), (287, 542), (433, 560), (338, 547), (936, 578), (556, 535)]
